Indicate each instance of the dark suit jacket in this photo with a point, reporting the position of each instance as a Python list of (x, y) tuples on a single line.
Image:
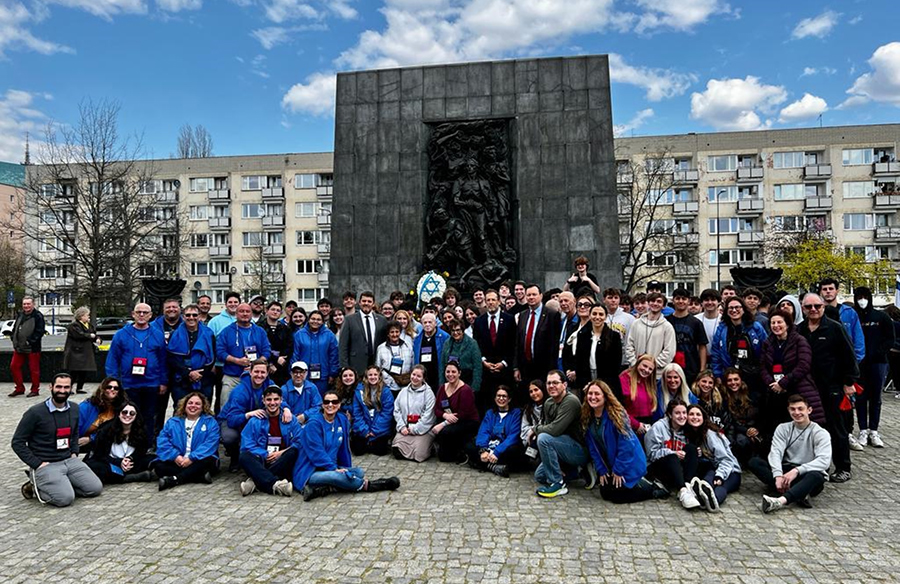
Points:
[(353, 350), (546, 344), (608, 354), (505, 347)]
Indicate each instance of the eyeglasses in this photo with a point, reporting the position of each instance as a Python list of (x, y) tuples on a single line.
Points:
[(331, 402), (734, 308), (456, 330), (502, 397), (142, 312), (813, 306), (128, 413), (549, 382), (584, 305)]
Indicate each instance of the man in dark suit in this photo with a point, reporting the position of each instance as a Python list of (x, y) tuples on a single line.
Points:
[(361, 334), (495, 332), (537, 340)]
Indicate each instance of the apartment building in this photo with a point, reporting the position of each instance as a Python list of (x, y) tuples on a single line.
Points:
[(729, 191), (238, 220)]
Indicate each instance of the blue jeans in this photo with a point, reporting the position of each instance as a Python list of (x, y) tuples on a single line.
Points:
[(352, 479), (555, 450)]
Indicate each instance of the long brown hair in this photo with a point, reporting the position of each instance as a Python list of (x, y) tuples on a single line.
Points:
[(99, 398), (739, 403), (614, 408), (633, 380), (206, 410), (372, 393), (715, 396)]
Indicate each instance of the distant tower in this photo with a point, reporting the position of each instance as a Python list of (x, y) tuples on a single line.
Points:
[(27, 151)]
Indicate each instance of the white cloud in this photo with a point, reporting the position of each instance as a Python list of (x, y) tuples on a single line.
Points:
[(807, 71), (15, 19), (315, 96), (882, 84), (279, 11), (272, 36), (105, 9), (179, 5), (18, 115), (808, 106), (343, 9), (678, 14), (855, 20), (736, 104), (818, 26), (633, 124), (659, 83)]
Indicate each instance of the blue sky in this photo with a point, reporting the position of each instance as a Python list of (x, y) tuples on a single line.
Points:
[(259, 74)]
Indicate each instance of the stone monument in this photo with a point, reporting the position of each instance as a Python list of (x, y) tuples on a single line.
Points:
[(485, 171)]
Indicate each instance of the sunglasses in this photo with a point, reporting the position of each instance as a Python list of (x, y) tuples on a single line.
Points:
[(813, 306), (584, 305), (192, 316), (331, 402), (129, 413), (116, 387)]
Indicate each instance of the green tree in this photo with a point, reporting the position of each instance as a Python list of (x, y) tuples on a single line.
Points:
[(813, 259)]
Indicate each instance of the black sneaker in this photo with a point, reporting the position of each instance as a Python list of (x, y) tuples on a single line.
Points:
[(167, 483), (805, 502), (840, 476), (28, 490)]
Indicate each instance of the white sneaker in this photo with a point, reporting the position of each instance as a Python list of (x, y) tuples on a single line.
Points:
[(854, 444), (875, 439), (248, 487), (863, 438), (283, 487), (687, 498)]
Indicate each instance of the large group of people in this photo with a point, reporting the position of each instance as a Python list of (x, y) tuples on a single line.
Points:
[(582, 385)]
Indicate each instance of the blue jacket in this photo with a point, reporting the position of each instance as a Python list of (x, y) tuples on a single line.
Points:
[(243, 399), (379, 422), (440, 338), (308, 403), (87, 413), (318, 348), (172, 441), (505, 431), (255, 435), (183, 359), (233, 340), (624, 451), (323, 446), (160, 323), (850, 320), (128, 345), (721, 358)]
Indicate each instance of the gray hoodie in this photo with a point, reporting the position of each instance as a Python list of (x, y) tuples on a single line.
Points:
[(722, 457), (417, 402), (798, 314), (656, 337), (659, 438)]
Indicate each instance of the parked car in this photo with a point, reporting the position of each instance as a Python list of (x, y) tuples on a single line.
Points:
[(6, 328), (108, 325), (50, 329)]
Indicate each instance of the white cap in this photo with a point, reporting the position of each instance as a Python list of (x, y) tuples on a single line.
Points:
[(299, 365)]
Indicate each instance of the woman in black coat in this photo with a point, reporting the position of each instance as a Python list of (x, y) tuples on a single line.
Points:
[(606, 346), (78, 358), (119, 454)]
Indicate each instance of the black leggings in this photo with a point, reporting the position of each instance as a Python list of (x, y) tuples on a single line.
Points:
[(642, 491), (453, 438), (513, 457), (191, 474), (673, 472), (103, 471), (379, 446), (78, 379), (810, 483)]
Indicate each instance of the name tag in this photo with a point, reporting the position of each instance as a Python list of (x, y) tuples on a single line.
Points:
[(250, 352), (371, 412), (778, 377), (742, 351), (426, 355), (396, 366), (62, 438), (531, 452), (274, 444), (315, 371), (166, 335), (138, 366), (445, 403)]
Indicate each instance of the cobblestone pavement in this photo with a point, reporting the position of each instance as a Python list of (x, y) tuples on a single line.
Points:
[(447, 524)]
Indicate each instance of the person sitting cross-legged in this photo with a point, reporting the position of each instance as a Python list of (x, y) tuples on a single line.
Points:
[(187, 448), (497, 446), (269, 448)]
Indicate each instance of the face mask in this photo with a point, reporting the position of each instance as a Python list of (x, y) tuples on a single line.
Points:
[(863, 303)]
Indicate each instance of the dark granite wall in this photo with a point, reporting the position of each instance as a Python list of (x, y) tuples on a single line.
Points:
[(562, 145)]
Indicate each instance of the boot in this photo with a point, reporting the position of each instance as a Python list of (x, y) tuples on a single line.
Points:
[(166, 483), (139, 477), (311, 492), (501, 470), (389, 484)]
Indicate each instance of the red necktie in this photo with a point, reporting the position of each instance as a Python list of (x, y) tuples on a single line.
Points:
[(529, 334), (493, 330)]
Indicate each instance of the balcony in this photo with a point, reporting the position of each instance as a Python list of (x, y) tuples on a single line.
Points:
[(220, 251), (323, 279), (750, 206), (686, 177), (220, 222), (687, 270), (325, 191), (167, 198), (274, 250), (887, 201), (817, 205), (686, 239), (887, 233), (886, 169), (220, 195), (323, 220), (682, 208), (751, 238), (220, 279), (273, 221), (817, 172), (275, 278), (749, 174), (170, 224), (67, 282), (273, 193), (324, 250), (61, 202)]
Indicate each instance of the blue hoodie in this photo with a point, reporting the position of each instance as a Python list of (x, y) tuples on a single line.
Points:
[(850, 320), (172, 441), (87, 413), (440, 338), (233, 340), (323, 447), (624, 451), (307, 403), (183, 359), (243, 399), (129, 344), (318, 348), (720, 357), (377, 422), (255, 435), (505, 431)]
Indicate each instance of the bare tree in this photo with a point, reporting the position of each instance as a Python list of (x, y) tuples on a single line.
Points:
[(194, 142), (94, 216), (12, 273), (655, 224), (264, 273)]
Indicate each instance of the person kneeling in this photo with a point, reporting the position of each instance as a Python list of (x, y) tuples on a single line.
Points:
[(269, 448), (618, 463), (373, 414), (497, 447), (798, 462), (324, 464), (120, 448), (187, 448)]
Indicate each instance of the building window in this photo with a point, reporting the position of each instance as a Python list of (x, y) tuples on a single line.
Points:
[(304, 181), (200, 240), (253, 211), (859, 189), (730, 225), (857, 156), (199, 268), (253, 238), (722, 163), (252, 183), (659, 259), (864, 221), (310, 294), (201, 185), (791, 223), (726, 194), (199, 212), (789, 159), (306, 237), (790, 192), (309, 266), (305, 210), (731, 257)]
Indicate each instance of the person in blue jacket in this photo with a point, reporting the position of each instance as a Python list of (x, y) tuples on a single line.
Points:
[(738, 342), (191, 357), (324, 464), (238, 345), (497, 446), (97, 409), (269, 449), (317, 346), (137, 356), (245, 402), (428, 346), (618, 463), (187, 448), (373, 415), (301, 398)]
